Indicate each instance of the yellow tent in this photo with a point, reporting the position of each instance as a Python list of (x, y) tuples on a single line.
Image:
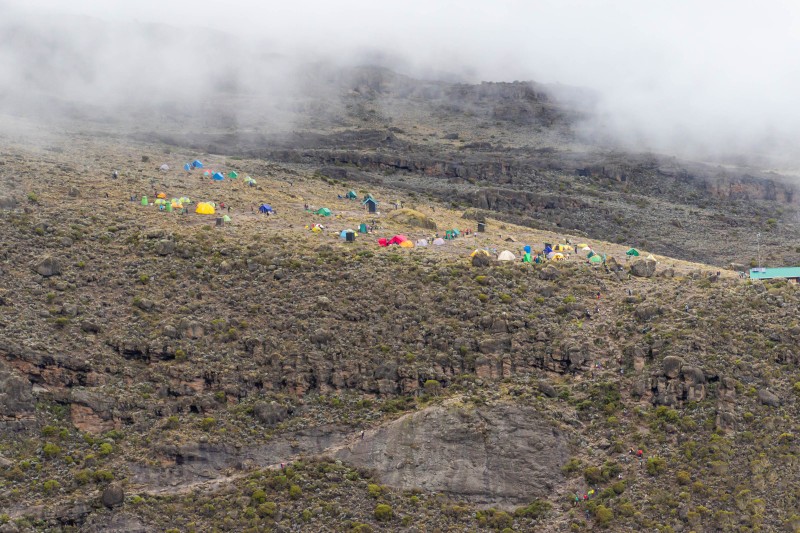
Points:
[(582, 245), (562, 248), (406, 244), (557, 257), (204, 208), (316, 229), (161, 195), (476, 252)]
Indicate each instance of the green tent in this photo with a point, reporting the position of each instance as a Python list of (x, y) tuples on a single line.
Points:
[(351, 195), (233, 175), (144, 200), (633, 251), (526, 258), (226, 218), (590, 254), (168, 207), (362, 228), (595, 259), (324, 211)]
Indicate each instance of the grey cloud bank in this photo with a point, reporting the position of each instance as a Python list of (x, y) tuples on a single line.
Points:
[(697, 78)]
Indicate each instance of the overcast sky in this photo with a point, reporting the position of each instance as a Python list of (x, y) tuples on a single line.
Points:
[(722, 72)]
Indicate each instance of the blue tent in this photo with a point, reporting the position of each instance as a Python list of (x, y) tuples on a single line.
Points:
[(547, 249), (218, 176), (197, 164), (265, 208), (527, 249), (187, 167)]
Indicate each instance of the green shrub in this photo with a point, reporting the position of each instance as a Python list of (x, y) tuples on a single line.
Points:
[(103, 475), (268, 509), (603, 515), (50, 450), (656, 466), (105, 449), (683, 478), (536, 509), (383, 512), (51, 485), (295, 492), (207, 423), (374, 490), (258, 496)]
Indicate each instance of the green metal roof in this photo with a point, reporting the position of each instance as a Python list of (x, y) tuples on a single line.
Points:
[(771, 273)]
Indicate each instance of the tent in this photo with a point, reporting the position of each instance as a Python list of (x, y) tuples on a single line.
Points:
[(505, 255), (204, 208), (422, 242), (398, 239), (265, 208), (218, 176), (207, 173), (527, 249), (406, 244), (168, 207), (362, 228), (596, 259), (650, 256), (586, 249), (343, 234), (316, 228), (557, 257), (160, 201), (324, 211), (582, 245), (351, 195), (233, 175), (590, 254), (438, 241), (144, 200), (184, 200), (547, 250), (250, 181), (164, 167), (161, 195), (550, 254), (197, 164), (633, 252), (562, 248), (383, 241), (477, 252), (187, 167), (226, 218), (526, 258)]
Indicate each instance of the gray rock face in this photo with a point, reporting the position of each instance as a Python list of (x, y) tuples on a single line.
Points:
[(643, 268), (16, 398), (49, 266), (494, 455)]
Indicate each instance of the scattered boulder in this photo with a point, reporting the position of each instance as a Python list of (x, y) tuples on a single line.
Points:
[(672, 366), (768, 398), (49, 266), (643, 268), (8, 203), (165, 247), (74, 192), (270, 413), (16, 397), (547, 389), (113, 496), (549, 273), (481, 260)]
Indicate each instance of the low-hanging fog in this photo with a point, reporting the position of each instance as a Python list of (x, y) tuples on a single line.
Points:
[(710, 79)]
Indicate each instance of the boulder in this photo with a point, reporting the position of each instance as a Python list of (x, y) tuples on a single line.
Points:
[(270, 413), (643, 268), (547, 389), (768, 398), (8, 203), (16, 396), (549, 273), (165, 247), (48, 266), (672, 366), (113, 496), (481, 260)]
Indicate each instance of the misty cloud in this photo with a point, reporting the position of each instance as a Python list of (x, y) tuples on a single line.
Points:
[(706, 79)]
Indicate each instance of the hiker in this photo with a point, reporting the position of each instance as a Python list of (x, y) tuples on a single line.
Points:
[(639, 453), (362, 434), (229, 209), (687, 308), (598, 295), (114, 175)]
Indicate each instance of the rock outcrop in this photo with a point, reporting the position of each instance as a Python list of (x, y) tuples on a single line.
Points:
[(643, 268), (494, 455)]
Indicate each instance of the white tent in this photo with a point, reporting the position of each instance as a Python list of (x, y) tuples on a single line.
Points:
[(550, 255), (505, 255), (422, 242), (586, 249), (438, 242), (164, 167)]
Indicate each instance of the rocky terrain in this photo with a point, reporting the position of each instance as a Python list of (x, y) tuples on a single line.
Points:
[(171, 372)]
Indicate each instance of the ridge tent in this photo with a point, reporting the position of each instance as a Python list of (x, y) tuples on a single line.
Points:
[(506, 255), (265, 208), (324, 211), (226, 218), (650, 256), (438, 241), (218, 176), (399, 239), (164, 167), (197, 164), (633, 252), (204, 208), (233, 175), (383, 242), (187, 167), (351, 195)]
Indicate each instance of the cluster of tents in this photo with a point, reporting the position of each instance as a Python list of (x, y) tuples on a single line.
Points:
[(213, 174), (167, 205), (405, 242)]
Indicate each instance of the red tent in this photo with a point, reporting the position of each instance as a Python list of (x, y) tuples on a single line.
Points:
[(383, 242), (397, 239)]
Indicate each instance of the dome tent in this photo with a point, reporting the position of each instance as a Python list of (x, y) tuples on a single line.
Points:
[(506, 255), (204, 208)]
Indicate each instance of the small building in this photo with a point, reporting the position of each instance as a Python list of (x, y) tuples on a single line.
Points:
[(792, 274), (371, 203)]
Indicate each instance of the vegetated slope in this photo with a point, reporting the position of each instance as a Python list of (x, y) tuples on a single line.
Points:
[(183, 363)]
